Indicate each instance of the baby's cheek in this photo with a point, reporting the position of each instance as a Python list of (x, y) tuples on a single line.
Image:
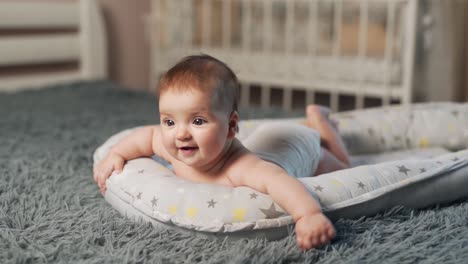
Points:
[(168, 143)]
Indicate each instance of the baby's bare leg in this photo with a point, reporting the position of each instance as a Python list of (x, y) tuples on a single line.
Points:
[(316, 118), (329, 163)]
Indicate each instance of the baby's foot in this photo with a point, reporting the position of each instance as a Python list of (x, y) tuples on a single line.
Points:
[(318, 118)]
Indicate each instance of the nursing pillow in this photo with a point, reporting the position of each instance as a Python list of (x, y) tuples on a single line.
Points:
[(148, 190)]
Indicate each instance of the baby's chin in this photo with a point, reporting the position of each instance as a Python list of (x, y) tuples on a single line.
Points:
[(196, 162)]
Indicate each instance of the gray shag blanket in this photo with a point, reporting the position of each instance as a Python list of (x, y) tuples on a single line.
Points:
[(52, 211)]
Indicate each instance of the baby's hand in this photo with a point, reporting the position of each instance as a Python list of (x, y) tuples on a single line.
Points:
[(314, 230), (103, 170)]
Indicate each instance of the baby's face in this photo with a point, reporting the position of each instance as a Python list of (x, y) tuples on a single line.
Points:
[(193, 132)]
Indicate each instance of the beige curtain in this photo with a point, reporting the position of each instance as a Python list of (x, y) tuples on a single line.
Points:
[(440, 73)]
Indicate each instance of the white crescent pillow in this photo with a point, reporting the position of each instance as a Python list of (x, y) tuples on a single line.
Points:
[(148, 190)]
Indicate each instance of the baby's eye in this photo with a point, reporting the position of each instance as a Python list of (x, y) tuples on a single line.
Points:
[(169, 122), (198, 121)]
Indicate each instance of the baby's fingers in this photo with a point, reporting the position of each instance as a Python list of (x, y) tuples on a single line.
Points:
[(103, 174), (118, 167), (324, 239), (304, 244)]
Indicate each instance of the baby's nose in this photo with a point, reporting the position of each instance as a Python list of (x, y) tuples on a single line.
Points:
[(183, 133)]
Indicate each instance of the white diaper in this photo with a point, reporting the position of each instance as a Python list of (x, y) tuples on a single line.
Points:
[(294, 147)]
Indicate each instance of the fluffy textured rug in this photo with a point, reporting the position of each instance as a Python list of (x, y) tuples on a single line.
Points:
[(51, 210)]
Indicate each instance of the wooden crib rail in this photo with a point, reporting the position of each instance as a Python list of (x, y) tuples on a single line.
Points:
[(295, 45)]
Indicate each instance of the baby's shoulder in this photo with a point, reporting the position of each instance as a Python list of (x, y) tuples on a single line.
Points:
[(244, 164)]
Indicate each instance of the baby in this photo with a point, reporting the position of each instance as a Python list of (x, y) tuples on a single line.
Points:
[(197, 136)]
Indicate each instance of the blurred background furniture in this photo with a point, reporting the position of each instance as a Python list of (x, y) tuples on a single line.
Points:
[(43, 43)]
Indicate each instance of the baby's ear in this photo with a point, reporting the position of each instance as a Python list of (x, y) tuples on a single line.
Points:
[(233, 124)]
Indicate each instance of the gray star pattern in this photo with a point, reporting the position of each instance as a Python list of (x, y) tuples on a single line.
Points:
[(253, 196), (318, 188), (455, 159), (271, 212), (154, 202), (403, 169), (139, 196), (211, 203), (141, 171), (422, 170), (361, 185)]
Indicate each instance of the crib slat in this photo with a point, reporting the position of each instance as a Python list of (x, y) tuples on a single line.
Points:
[(245, 95), (188, 27), (206, 17), (337, 25), (246, 24), (411, 17), (313, 28), (266, 96), (288, 42), (389, 50), (312, 45), (268, 27), (289, 27), (287, 99), (362, 49), (226, 24)]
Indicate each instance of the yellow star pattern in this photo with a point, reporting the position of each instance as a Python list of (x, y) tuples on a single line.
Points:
[(162, 168), (172, 209), (451, 127), (404, 182), (249, 125), (192, 212), (336, 182), (423, 142), (239, 214)]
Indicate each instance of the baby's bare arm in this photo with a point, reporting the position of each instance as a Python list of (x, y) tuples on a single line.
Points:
[(285, 190), (143, 142), (313, 229), (140, 143)]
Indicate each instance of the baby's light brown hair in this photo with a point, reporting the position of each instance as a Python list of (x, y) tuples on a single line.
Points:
[(207, 74)]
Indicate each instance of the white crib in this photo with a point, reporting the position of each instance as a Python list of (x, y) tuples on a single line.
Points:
[(354, 49)]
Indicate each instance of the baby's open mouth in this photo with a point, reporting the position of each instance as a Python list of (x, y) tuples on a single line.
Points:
[(188, 148)]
